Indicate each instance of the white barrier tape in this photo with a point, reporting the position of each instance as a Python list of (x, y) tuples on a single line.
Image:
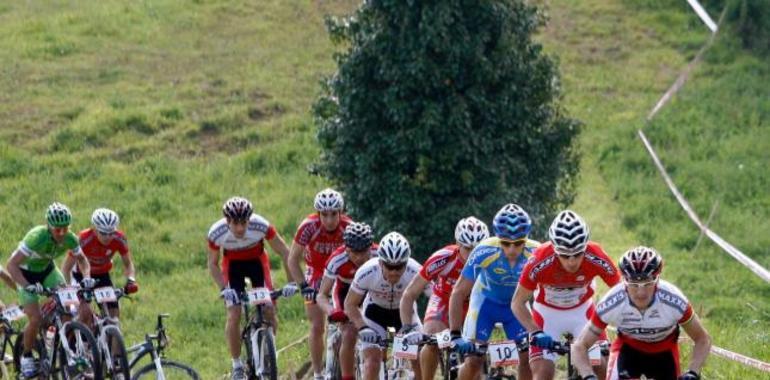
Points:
[(734, 252), (703, 15), (292, 344)]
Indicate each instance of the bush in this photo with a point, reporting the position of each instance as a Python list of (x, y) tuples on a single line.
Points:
[(443, 109)]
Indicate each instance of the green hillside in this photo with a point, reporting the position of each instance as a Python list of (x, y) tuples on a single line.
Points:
[(162, 109)]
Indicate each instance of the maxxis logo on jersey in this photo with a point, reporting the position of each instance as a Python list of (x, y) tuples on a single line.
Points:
[(436, 266), (540, 267), (673, 300), (610, 303), (600, 262)]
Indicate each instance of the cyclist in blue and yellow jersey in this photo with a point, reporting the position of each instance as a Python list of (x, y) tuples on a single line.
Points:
[(490, 277)]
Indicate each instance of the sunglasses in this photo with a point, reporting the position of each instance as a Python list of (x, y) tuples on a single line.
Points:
[(637, 284), (570, 256), (394, 268), (105, 233), (515, 243)]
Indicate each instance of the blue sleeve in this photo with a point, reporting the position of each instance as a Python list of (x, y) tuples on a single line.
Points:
[(470, 270)]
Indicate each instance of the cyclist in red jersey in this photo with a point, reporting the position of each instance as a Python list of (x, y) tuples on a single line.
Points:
[(99, 244), (317, 237), (560, 275), (647, 312), (340, 271), (442, 269), (239, 237)]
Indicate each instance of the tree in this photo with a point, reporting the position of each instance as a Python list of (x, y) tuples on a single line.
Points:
[(443, 109)]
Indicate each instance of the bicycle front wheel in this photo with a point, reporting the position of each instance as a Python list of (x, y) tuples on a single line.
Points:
[(171, 371), (115, 359), (267, 351), (82, 360)]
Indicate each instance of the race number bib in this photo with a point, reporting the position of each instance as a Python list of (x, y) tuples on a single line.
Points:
[(403, 350), (13, 313), (259, 296), (105, 294), (503, 354), (68, 296), (564, 297), (443, 339)]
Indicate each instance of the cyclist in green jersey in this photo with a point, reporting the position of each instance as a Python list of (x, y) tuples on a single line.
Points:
[(33, 269)]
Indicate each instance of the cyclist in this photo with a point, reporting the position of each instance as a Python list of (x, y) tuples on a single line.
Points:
[(379, 284), (339, 273), (647, 312), (99, 244), (32, 267), (316, 238), (489, 278), (441, 270), (561, 275), (240, 237)]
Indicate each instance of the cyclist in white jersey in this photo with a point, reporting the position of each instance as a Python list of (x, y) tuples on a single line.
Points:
[(379, 284), (647, 312)]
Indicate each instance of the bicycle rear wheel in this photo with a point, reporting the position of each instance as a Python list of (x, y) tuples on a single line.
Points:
[(117, 368), (250, 346), (267, 351), (171, 370), (82, 344)]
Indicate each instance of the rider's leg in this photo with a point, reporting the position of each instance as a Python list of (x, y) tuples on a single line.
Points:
[(317, 336), (524, 372), (347, 350), (429, 354), (372, 362), (471, 368), (32, 310), (542, 368), (232, 331)]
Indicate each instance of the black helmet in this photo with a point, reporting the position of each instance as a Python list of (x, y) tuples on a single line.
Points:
[(358, 236), (237, 208), (640, 264)]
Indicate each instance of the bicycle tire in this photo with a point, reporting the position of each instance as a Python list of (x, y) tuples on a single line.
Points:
[(267, 350), (116, 354), (332, 367), (250, 364), (171, 370), (86, 350)]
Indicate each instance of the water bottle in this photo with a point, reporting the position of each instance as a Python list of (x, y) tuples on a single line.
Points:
[(49, 335)]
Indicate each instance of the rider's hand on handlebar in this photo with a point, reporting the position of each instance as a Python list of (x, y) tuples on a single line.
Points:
[(338, 316), (230, 296), (540, 339), (308, 293), (289, 289), (131, 286), (410, 333), (88, 283), (368, 335), (36, 288), (460, 344), (689, 375)]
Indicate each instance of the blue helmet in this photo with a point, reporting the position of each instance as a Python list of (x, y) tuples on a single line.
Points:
[(512, 222)]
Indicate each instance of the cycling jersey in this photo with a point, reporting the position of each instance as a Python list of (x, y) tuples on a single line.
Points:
[(559, 289), (40, 249), (250, 247), (99, 255), (370, 280), (319, 243), (495, 277), (341, 270), (443, 269)]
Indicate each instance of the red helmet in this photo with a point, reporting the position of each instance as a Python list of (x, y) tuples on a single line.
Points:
[(640, 264)]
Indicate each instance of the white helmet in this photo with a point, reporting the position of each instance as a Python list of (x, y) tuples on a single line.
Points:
[(105, 220), (470, 232), (569, 233), (328, 200), (394, 249)]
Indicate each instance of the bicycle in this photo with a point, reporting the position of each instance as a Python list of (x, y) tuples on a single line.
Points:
[(78, 355), (257, 335), (109, 339), (563, 348), (399, 367), (333, 341), (7, 317), (449, 360), (160, 368)]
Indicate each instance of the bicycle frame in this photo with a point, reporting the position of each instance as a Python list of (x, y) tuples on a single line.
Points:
[(255, 325), (148, 347), (102, 319), (55, 319)]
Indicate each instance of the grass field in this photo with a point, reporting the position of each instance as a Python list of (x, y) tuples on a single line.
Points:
[(162, 109)]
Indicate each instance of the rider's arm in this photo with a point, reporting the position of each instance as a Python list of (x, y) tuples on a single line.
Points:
[(214, 270), (352, 301), (279, 246), (83, 264), (7, 279), (411, 293), (460, 293), (700, 336), (14, 270), (579, 349), (128, 265), (519, 307), (322, 299), (66, 267), (295, 256)]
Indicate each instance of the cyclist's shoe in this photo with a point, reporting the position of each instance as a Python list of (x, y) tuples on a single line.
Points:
[(238, 374), (28, 367)]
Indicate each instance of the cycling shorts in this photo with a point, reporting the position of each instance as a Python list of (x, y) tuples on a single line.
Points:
[(314, 275), (102, 280), (627, 362), (50, 277), (557, 323), (379, 319), (482, 316), (238, 270), (438, 309)]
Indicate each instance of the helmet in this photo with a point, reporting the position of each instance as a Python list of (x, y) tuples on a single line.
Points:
[(237, 208), (328, 200), (471, 231), (568, 233), (105, 220), (358, 236), (394, 249), (58, 215), (512, 222), (640, 263)]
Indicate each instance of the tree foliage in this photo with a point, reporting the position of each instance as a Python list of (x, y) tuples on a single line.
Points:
[(443, 109)]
